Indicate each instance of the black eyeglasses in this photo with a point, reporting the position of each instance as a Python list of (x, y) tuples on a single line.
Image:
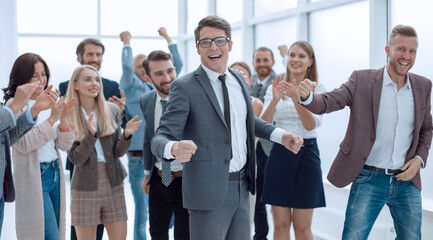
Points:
[(219, 41)]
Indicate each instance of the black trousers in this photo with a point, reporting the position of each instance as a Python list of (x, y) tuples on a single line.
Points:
[(100, 228), (163, 202), (261, 225)]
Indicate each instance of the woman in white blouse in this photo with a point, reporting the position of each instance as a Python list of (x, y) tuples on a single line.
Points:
[(293, 182)]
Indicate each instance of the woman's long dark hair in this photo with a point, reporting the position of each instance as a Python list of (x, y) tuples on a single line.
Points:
[(22, 72)]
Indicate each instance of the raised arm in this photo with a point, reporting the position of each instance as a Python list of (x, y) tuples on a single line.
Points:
[(330, 101), (126, 81), (172, 47)]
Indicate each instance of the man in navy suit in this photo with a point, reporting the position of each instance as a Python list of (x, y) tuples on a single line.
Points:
[(90, 52), (165, 198)]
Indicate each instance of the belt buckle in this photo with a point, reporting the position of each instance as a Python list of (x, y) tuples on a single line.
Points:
[(388, 173)]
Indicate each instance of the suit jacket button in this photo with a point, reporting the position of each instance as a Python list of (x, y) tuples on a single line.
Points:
[(227, 142), (226, 161), (372, 139)]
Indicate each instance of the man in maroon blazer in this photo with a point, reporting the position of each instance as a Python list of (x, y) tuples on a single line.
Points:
[(387, 140)]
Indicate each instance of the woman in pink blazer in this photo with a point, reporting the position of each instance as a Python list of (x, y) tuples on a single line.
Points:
[(38, 171)]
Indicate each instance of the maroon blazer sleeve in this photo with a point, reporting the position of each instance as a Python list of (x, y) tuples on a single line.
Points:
[(425, 133), (336, 99)]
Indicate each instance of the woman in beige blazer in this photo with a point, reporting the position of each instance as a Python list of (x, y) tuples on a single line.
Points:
[(38, 171), (97, 195)]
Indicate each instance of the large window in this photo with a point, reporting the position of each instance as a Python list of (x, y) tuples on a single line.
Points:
[(263, 7), (340, 47), (274, 34), (196, 10), (55, 34), (139, 17), (230, 10), (57, 17)]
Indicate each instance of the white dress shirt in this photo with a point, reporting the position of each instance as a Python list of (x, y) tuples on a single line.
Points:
[(264, 81), (175, 165), (395, 125)]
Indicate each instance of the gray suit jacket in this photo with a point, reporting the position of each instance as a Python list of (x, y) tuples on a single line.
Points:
[(260, 92), (9, 134), (193, 113), (147, 104)]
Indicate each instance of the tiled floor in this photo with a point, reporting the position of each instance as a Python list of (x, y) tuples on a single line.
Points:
[(8, 232)]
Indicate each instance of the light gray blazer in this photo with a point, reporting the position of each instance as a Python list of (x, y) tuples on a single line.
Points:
[(193, 113), (9, 134)]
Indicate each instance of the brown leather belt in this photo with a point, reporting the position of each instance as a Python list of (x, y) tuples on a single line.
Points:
[(135, 153), (173, 174)]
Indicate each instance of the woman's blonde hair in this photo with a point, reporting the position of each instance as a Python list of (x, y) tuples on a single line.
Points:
[(103, 114), (312, 70)]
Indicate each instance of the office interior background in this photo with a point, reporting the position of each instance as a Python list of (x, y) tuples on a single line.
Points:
[(346, 35)]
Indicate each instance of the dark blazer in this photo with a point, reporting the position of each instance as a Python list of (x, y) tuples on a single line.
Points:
[(9, 134), (362, 94), (193, 113), (147, 104), (84, 157)]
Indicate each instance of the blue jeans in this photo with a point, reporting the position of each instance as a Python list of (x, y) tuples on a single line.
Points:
[(370, 191), (50, 177), (141, 200), (2, 212)]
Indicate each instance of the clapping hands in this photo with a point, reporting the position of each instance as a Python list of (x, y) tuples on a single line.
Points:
[(131, 126)]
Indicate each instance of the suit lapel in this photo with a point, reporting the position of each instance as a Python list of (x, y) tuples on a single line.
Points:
[(207, 86), (376, 93), (151, 123), (418, 97)]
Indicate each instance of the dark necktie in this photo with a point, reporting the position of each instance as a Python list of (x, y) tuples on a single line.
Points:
[(166, 166), (259, 88), (222, 78)]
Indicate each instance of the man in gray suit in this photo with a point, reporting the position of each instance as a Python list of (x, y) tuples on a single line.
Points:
[(263, 61), (12, 129), (209, 125)]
